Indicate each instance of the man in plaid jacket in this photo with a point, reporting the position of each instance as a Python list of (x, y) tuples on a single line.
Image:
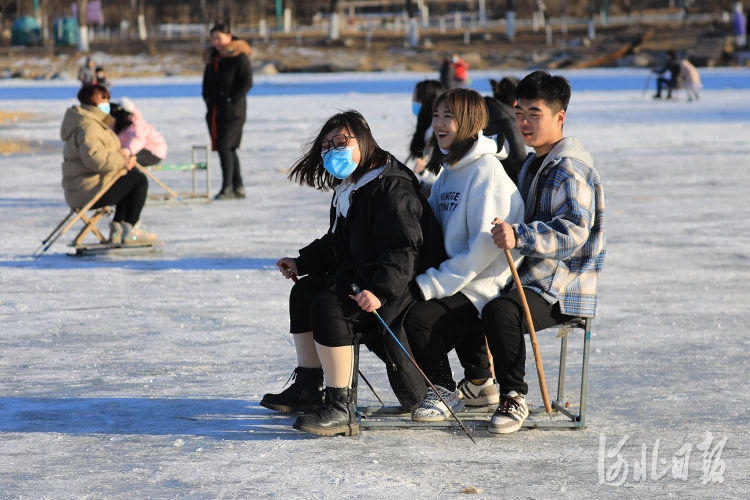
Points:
[(562, 240)]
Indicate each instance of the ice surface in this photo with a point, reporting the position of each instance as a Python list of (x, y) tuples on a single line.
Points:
[(139, 377)]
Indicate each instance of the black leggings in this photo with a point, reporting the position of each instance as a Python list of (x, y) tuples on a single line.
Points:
[(230, 169), (436, 326), (335, 320), (503, 320), (128, 194)]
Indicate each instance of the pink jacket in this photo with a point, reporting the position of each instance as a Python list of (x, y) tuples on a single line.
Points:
[(142, 135)]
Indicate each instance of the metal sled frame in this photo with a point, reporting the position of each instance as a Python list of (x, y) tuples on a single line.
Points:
[(194, 166), (388, 417), (575, 420)]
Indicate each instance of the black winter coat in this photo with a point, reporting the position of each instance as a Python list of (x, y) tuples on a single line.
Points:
[(227, 79), (389, 236), (502, 120)]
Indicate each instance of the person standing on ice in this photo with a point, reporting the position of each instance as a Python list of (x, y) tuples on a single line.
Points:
[(227, 79), (561, 238), (382, 234), (471, 190)]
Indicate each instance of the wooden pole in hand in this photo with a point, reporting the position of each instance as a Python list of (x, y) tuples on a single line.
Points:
[(532, 333)]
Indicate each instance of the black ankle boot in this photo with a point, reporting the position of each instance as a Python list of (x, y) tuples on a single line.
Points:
[(305, 394), (337, 415)]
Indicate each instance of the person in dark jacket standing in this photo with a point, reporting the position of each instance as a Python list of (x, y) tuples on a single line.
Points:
[(226, 81), (502, 121), (671, 66), (382, 234)]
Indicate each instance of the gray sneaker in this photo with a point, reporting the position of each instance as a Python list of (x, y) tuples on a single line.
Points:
[(136, 235), (432, 408), (115, 233), (485, 394)]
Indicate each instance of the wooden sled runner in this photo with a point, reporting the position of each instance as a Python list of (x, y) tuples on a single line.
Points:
[(564, 415), (90, 222)]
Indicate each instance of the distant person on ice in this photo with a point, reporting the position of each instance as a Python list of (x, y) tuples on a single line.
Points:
[(137, 135), (91, 155), (690, 79), (382, 233), (460, 72), (739, 22), (561, 238), (672, 66), (227, 79), (87, 73)]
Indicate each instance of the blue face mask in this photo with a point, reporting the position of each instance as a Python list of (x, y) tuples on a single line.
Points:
[(339, 163), (104, 106), (415, 107)]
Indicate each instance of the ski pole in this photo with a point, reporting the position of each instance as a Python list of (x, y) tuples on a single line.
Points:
[(296, 279), (648, 81), (355, 289)]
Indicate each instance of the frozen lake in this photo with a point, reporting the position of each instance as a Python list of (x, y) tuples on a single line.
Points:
[(140, 376), (368, 83)]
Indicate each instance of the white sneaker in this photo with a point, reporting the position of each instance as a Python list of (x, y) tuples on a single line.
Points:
[(510, 414), (433, 410), (479, 395), (137, 235)]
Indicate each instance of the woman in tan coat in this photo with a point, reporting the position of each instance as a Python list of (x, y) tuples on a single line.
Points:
[(91, 156)]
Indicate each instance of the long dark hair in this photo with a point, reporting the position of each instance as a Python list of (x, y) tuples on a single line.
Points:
[(309, 170), (470, 112), (425, 92), (123, 118)]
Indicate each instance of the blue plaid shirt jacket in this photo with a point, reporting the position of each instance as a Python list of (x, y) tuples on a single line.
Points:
[(562, 237)]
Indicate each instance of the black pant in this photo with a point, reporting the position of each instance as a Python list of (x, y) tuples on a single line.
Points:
[(230, 169), (436, 326), (503, 323), (146, 158), (662, 82), (128, 194), (335, 320)]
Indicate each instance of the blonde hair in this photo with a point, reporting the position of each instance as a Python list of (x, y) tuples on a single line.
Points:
[(470, 112)]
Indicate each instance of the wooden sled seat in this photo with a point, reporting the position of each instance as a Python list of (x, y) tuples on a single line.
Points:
[(90, 221)]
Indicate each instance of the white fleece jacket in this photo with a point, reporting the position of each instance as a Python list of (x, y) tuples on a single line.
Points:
[(466, 198)]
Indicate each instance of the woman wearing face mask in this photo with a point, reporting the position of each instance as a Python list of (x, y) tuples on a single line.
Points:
[(382, 233), (92, 155)]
